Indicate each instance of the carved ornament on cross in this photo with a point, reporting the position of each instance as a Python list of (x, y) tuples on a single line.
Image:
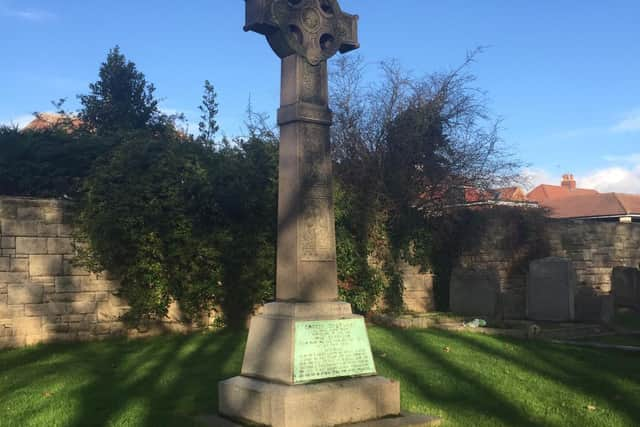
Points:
[(313, 29)]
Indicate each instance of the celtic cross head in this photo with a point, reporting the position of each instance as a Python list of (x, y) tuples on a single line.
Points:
[(313, 29)]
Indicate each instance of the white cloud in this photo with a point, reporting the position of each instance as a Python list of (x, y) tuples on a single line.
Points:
[(622, 175), (32, 15), (630, 123), (20, 121), (535, 177), (614, 179)]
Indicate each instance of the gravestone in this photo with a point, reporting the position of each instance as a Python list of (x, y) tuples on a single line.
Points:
[(418, 295), (593, 307), (513, 303), (551, 287), (474, 292), (625, 284), (308, 361)]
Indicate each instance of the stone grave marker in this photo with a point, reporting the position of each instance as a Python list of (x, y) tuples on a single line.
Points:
[(625, 284), (593, 307), (551, 287), (308, 361), (474, 292)]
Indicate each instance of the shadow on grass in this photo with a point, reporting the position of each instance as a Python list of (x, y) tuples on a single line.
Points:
[(539, 376), (169, 380), (151, 382), (579, 369), (482, 399)]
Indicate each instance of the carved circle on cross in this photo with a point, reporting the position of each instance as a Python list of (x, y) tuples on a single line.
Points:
[(311, 28)]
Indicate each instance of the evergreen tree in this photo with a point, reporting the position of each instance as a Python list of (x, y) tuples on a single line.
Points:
[(208, 126), (121, 99)]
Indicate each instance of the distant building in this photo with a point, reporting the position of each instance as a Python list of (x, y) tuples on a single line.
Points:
[(47, 121), (567, 188), (569, 202)]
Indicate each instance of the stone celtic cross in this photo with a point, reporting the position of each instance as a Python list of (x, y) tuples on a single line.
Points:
[(308, 360), (314, 29), (305, 34)]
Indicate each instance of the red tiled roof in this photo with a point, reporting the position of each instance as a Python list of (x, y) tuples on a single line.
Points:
[(544, 192), (594, 205), (46, 121), (511, 194)]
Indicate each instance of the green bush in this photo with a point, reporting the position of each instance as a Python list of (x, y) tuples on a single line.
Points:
[(137, 214), (360, 281), (175, 220), (47, 164)]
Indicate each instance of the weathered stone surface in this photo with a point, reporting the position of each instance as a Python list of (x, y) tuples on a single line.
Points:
[(474, 292), (418, 295), (53, 215), (8, 242), (335, 403), (109, 313), (593, 307), (35, 310), (31, 245), (8, 210), (45, 265), (514, 304), (12, 277), (56, 308), (30, 213), (71, 269), (60, 245), (25, 294), (18, 228), (64, 230), (5, 313), (625, 283), (48, 230), (28, 326), (19, 265), (83, 307), (5, 263), (405, 419), (270, 346), (93, 285), (551, 288)]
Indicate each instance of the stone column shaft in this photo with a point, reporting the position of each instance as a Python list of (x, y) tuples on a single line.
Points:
[(306, 266)]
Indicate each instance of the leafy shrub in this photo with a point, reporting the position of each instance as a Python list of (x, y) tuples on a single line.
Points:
[(360, 281), (47, 164), (175, 220), (137, 213)]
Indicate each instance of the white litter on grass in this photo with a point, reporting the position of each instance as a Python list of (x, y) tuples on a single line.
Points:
[(475, 323)]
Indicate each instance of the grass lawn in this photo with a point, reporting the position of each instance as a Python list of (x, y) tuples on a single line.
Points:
[(468, 379), (628, 340)]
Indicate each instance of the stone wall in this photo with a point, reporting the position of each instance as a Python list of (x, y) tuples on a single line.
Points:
[(43, 295), (593, 247)]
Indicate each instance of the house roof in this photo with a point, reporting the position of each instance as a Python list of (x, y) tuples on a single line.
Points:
[(510, 193), (544, 192), (46, 121), (594, 205)]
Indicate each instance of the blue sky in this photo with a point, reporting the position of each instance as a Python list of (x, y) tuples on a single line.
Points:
[(563, 75)]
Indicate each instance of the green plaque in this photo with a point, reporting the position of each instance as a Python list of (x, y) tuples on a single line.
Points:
[(331, 348)]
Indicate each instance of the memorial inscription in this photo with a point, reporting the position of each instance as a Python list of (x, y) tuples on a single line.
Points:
[(331, 349)]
